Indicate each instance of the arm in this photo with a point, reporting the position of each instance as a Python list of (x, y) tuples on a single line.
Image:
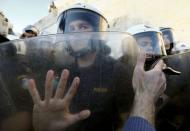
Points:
[(148, 86)]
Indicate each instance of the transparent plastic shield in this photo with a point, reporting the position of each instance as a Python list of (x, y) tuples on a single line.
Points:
[(179, 62), (104, 62), (175, 114)]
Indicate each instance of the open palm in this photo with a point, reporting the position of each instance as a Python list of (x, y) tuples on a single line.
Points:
[(53, 113)]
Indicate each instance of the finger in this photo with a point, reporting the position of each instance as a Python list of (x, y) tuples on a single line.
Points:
[(62, 83), (138, 73), (164, 97), (71, 119), (33, 92), (164, 81), (72, 90), (162, 86), (81, 115), (141, 60), (160, 65), (48, 85), (161, 90), (163, 76)]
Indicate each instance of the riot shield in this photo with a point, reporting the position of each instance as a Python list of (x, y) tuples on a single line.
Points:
[(175, 114), (104, 62)]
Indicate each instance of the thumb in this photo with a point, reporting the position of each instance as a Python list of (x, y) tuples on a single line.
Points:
[(141, 60), (81, 115), (160, 65), (72, 119)]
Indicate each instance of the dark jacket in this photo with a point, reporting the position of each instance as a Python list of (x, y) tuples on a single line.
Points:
[(105, 88)]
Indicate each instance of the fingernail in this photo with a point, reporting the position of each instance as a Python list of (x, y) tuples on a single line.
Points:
[(65, 71), (85, 114), (50, 72), (77, 81)]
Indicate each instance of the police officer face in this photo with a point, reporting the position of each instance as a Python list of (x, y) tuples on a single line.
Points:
[(146, 43), (79, 26), (167, 41)]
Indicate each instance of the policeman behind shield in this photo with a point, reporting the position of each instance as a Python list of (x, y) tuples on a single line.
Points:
[(169, 40), (104, 92), (29, 31), (150, 39)]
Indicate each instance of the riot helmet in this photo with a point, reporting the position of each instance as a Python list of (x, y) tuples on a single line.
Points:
[(168, 37), (149, 39), (81, 18), (82, 12), (31, 29)]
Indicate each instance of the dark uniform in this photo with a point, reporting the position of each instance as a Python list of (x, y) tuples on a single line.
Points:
[(175, 115), (7, 106), (105, 88), (3, 39)]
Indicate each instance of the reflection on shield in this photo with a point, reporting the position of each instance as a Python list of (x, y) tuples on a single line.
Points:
[(104, 62)]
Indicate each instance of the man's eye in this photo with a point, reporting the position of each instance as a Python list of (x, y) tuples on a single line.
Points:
[(83, 27)]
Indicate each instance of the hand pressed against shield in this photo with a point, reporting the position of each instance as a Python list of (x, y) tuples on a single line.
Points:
[(53, 112), (148, 86)]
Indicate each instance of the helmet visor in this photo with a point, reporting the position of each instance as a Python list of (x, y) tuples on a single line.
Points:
[(169, 34), (151, 42), (79, 20)]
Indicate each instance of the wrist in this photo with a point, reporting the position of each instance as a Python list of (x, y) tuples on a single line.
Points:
[(144, 107), (144, 98)]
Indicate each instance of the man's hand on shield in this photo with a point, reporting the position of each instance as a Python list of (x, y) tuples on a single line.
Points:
[(53, 113), (148, 86)]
